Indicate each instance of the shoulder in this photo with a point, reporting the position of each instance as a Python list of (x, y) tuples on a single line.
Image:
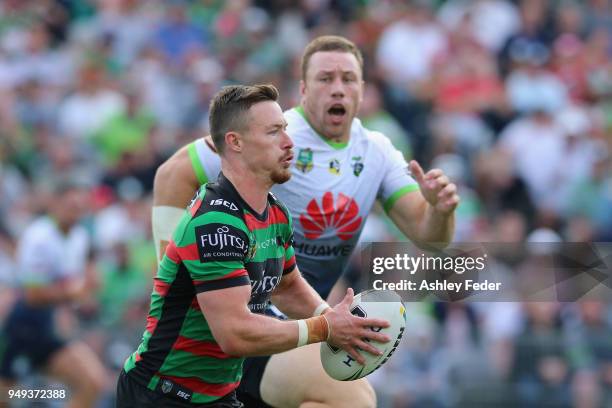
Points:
[(375, 139), (276, 202), (174, 179)]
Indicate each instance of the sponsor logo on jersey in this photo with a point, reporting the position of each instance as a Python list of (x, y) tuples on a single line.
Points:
[(334, 166), (357, 165), (264, 285), (220, 242), (341, 216), (224, 203), (323, 250), (304, 160)]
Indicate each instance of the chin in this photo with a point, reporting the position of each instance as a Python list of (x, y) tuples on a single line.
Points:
[(280, 177)]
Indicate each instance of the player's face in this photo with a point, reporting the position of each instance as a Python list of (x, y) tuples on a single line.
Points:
[(267, 146), (332, 92)]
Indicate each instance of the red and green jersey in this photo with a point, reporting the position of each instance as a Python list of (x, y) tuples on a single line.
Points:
[(219, 243)]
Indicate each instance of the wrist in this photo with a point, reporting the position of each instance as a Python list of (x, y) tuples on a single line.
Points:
[(321, 309), (313, 330)]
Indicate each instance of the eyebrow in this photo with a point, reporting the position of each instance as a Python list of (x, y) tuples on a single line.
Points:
[(333, 71), (275, 126)]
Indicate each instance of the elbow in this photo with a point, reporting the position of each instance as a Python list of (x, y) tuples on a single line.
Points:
[(233, 346)]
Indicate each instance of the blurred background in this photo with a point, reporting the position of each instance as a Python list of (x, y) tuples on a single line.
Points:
[(513, 99)]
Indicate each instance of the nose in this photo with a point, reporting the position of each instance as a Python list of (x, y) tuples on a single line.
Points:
[(287, 142), (337, 87)]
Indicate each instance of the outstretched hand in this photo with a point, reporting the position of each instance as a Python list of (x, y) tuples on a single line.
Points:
[(436, 188), (351, 332)]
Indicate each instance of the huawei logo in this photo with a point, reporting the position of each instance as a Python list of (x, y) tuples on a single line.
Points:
[(342, 216)]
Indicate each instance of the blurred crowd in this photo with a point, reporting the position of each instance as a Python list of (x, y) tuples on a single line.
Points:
[(513, 99)]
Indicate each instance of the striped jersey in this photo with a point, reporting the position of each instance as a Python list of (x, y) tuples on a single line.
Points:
[(220, 242), (332, 189)]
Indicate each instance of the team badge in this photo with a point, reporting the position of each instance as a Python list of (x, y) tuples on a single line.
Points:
[(334, 166), (357, 165), (304, 160)]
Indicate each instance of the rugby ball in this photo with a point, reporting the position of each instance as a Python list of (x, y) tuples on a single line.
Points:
[(385, 304)]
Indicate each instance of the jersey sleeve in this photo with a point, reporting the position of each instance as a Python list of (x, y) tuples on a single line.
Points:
[(214, 249), (206, 164), (396, 179)]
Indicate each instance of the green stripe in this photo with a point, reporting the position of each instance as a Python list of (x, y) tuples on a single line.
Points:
[(208, 369), (335, 145), (397, 195), (198, 169), (196, 326)]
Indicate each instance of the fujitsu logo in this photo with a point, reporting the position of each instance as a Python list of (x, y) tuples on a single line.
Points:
[(342, 216)]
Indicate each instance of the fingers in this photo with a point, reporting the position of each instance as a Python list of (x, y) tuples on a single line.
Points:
[(417, 171), (367, 347), (372, 322), (348, 298), (355, 354), (375, 336)]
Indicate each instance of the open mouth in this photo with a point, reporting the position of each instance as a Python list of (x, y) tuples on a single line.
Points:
[(337, 113)]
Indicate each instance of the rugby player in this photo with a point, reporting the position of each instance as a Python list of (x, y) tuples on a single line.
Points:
[(54, 269), (230, 254), (340, 168)]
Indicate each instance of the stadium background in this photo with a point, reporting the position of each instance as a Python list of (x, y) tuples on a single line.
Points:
[(513, 99)]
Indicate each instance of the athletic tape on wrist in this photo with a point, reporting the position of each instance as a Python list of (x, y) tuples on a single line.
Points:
[(302, 333), (321, 308)]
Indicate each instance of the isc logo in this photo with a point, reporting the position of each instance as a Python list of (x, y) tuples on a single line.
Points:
[(220, 201)]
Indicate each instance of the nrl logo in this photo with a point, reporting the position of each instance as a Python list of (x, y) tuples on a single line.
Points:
[(334, 166), (166, 386), (304, 160)]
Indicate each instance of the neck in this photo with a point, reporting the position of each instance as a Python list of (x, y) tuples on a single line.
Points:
[(252, 187)]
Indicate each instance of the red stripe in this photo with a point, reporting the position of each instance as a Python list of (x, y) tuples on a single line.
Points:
[(160, 287), (253, 223), (199, 347), (275, 216), (195, 206), (195, 304), (289, 264), (172, 253), (189, 252), (236, 273), (199, 386), (151, 323), (137, 358)]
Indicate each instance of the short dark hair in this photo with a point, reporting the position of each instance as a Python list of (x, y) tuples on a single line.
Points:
[(329, 43), (228, 109)]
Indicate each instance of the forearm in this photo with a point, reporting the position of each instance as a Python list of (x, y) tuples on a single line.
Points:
[(436, 228), (296, 298), (262, 335), (52, 294)]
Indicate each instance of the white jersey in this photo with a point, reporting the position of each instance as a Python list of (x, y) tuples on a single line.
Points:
[(332, 189), (46, 255)]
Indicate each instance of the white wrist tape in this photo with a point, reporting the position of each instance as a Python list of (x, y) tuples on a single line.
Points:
[(320, 309), (302, 333), (164, 221)]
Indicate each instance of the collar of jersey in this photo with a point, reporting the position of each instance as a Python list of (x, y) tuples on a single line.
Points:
[(227, 185), (336, 145)]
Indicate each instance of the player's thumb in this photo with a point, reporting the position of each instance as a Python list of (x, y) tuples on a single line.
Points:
[(416, 171), (348, 298)]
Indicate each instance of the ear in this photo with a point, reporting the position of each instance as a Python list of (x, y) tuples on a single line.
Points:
[(233, 141), (302, 87)]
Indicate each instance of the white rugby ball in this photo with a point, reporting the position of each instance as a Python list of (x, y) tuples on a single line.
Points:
[(384, 304)]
